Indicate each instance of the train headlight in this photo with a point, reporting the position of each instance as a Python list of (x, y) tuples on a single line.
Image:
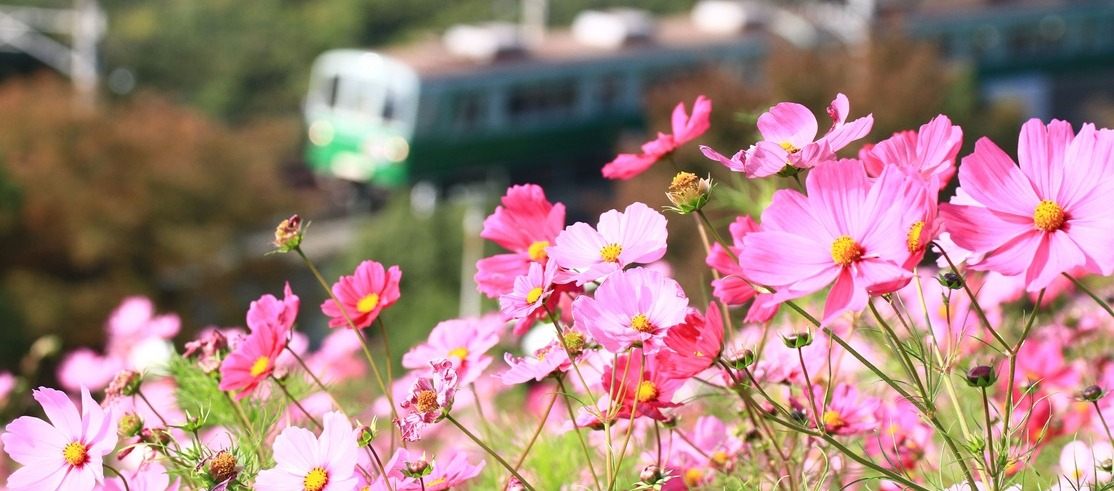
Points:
[(396, 149), (321, 133)]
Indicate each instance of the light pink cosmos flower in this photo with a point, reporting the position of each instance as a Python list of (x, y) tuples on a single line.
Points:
[(903, 439), (545, 361), (1082, 464), (339, 358), (633, 308), (429, 400), (530, 294), (526, 224), (685, 129), (1048, 216), (640, 386), (715, 446), (637, 235), (929, 152), (363, 295), (789, 139), (306, 462), (151, 476), (450, 471), (694, 344), (463, 342), (847, 231), (66, 453), (847, 413), (253, 360), (732, 288)]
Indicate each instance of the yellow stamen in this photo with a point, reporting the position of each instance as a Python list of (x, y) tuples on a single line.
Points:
[(641, 323), (789, 147), (368, 303), (833, 420), (719, 457), (846, 251), (261, 365), (536, 251), (426, 401), (647, 391), (435, 482), (913, 238), (75, 453), (459, 353), (610, 253), (534, 294), (315, 480), (694, 477), (1049, 216)]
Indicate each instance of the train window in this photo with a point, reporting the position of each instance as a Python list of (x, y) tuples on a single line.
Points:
[(332, 88), (468, 110), (538, 102), (611, 90), (388, 112)]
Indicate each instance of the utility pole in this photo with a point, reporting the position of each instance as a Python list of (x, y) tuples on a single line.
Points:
[(30, 30)]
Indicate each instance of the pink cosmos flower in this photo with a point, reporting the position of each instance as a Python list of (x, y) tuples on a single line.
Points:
[(639, 377), (526, 225), (637, 235), (448, 472), (685, 129), (306, 462), (847, 231), (732, 288), (1048, 216), (339, 358), (273, 313), (694, 344), (633, 308), (429, 400), (546, 360), (1082, 464), (715, 446), (463, 342), (363, 295), (903, 439), (789, 139), (847, 413), (930, 152), (253, 360), (7, 383), (530, 294), (67, 452)]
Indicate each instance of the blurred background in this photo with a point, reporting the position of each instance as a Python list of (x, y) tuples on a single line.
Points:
[(149, 147)]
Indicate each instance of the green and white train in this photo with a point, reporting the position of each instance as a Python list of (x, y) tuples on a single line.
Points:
[(488, 97)]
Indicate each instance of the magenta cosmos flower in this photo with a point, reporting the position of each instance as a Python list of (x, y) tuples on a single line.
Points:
[(633, 308), (847, 232), (685, 129), (694, 344), (363, 295), (429, 400), (732, 288), (929, 152), (1048, 216), (637, 235), (526, 224), (463, 342), (273, 313), (789, 139), (254, 358), (640, 386), (847, 413), (450, 471), (308, 463), (66, 453)]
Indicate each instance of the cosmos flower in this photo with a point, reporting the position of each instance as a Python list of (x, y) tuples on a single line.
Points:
[(847, 413), (685, 129), (530, 294), (451, 471), (429, 399), (929, 152), (363, 295), (732, 288), (637, 235), (253, 360), (633, 308), (526, 224), (313, 463), (270, 312), (463, 342), (640, 385), (695, 343), (65, 453)]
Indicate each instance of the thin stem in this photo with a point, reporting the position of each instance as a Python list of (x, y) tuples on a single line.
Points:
[(1103, 419), (316, 380), (386, 347), (576, 429), (121, 476), (239, 410), (990, 466), (480, 412), (139, 393), (715, 235), (421, 480), (537, 431), (296, 403), (974, 299), (657, 436), (816, 417), (379, 465), (1013, 352), (1079, 284), (633, 415), (906, 361), (489, 451)]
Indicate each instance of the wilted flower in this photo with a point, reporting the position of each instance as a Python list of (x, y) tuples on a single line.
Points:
[(688, 193), (288, 234)]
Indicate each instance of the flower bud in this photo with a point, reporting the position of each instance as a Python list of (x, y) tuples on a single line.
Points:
[(1092, 393), (981, 376), (126, 383), (515, 485), (669, 422), (797, 340), (222, 467), (288, 234), (799, 416), (417, 469), (129, 425), (745, 360), (365, 434), (650, 474), (155, 436), (950, 280), (688, 193)]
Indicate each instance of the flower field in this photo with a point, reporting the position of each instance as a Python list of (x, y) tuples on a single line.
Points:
[(903, 318)]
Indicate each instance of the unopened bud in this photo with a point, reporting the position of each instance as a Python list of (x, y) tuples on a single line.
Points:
[(515, 485), (365, 434), (155, 436), (288, 234), (745, 360), (1092, 393), (981, 376), (797, 340), (126, 383), (129, 425), (417, 469), (688, 193), (799, 416), (950, 280), (650, 474), (222, 467)]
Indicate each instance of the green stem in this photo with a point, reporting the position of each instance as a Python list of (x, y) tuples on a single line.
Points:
[(1103, 419), (576, 429), (296, 403), (1079, 284), (537, 431), (974, 300), (489, 451), (139, 393), (121, 476), (991, 468), (316, 380)]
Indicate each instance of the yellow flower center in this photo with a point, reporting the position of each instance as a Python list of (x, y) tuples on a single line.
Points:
[(261, 365), (368, 303), (75, 453), (459, 353), (575, 342), (719, 457), (789, 147), (1048, 216), (647, 391), (693, 477), (316, 480), (641, 323), (913, 238), (833, 420), (536, 251), (427, 401), (846, 251), (534, 294), (610, 253)]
